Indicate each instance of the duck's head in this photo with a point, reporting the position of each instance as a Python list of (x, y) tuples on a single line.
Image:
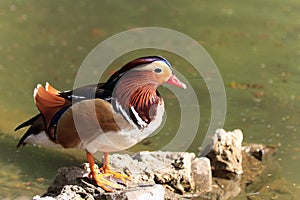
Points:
[(150, 70), (159, 70), (135, 87)]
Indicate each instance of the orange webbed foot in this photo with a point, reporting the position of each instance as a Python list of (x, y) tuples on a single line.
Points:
[(105, 170), (104, 177), (105, 182)]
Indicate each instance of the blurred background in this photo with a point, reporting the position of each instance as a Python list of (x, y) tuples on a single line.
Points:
[(255, 44)]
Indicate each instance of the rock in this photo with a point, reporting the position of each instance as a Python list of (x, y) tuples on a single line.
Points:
[(37, 197), (254, 176), (151, 192), (76, 192), (224, 189), (226, 154), (259, 151), (66, 176), (168, 168), (146, 169), (182, 175), (201, 171)]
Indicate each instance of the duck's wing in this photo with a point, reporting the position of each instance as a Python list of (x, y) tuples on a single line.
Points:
[(95, 91), (52, 105), (88, 120)]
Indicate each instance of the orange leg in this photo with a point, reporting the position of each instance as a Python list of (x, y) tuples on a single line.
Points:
[(106, 169), (100, 178)]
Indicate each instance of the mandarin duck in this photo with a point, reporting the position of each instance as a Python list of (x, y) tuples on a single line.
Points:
[(106, 117)]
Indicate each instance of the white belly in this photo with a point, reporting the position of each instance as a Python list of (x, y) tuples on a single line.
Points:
[(41, 139)]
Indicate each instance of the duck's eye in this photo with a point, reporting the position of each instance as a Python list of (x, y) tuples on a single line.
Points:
[(158, 70)]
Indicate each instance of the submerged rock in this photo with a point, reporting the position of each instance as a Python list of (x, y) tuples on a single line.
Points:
[(259, 151)]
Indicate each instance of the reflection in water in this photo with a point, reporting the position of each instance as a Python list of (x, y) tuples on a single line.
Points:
[(28, 170)]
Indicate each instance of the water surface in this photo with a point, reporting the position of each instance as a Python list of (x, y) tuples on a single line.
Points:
[(256, 46)]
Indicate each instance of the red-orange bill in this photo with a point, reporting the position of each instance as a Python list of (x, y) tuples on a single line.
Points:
[(173, 80)]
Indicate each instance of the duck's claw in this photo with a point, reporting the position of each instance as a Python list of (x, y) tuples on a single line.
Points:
[(106, 182), (122, 177), (104, 177)]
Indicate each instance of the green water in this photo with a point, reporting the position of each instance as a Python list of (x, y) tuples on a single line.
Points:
[(254, 42)]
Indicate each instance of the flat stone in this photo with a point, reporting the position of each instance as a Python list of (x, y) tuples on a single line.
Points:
[(167, 168), (37, 197), (150, 192), (76, 192)]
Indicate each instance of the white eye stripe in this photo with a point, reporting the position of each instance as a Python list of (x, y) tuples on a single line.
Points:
[(152, 66)]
